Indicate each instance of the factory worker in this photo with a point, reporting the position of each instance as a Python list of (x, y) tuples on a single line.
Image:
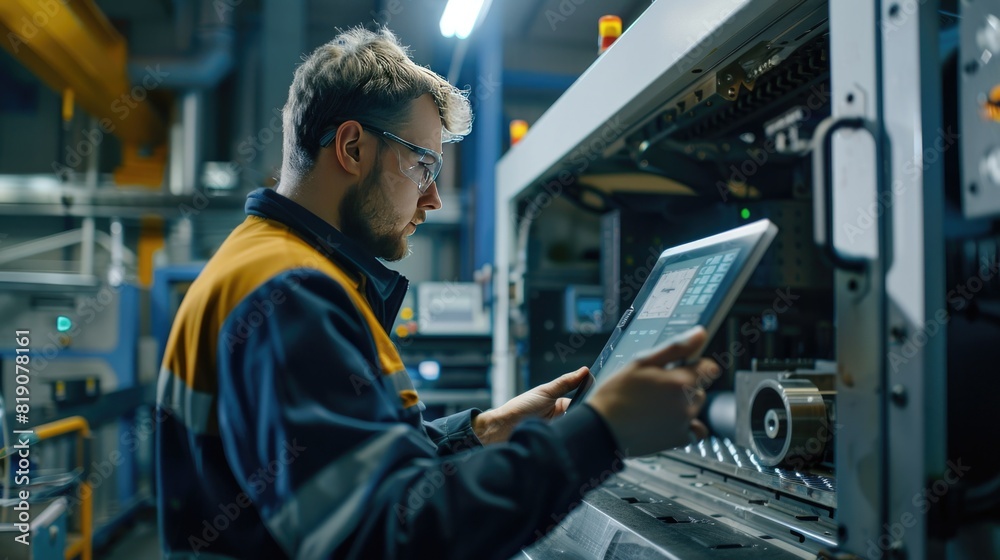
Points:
[(288, 424)]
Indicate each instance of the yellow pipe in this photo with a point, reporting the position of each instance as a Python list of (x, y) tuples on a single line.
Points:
[(64, 426), (83, 547), (71, 45), (87, 521), (68, 104), (150, 240)]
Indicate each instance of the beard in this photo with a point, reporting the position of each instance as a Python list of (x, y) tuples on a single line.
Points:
[(367, 216)]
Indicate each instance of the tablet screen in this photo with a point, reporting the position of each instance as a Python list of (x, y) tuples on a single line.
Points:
[(677, 302)]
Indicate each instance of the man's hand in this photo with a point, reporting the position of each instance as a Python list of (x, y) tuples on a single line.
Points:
[(649, 408), (545, 401)]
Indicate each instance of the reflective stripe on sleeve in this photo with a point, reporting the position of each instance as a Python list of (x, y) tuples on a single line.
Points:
[(324, 511), (193, 408)]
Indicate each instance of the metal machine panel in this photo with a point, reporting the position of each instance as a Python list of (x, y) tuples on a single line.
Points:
[(913, 245), (724, 456), (621, 522), (773, 507), (979, 107), (859, 303)]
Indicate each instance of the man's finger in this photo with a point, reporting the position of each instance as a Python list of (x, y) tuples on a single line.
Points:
[(695, 396), (561, 406), (708, 371), (566, 382), (678, 349), (699, 430)]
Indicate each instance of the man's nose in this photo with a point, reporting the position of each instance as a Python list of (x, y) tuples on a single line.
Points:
[(430, 200)]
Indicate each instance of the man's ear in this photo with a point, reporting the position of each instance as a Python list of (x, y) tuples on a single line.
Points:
[(347, 144)]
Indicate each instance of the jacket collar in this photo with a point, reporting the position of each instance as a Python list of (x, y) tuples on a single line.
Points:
[(384, 288)]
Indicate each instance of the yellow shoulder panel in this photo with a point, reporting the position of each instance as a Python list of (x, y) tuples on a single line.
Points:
[(256, 251)]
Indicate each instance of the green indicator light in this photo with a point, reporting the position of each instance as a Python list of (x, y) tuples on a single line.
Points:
[(63, 323), (745, 213)]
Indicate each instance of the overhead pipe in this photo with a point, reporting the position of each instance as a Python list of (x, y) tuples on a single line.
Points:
[(211, 60)]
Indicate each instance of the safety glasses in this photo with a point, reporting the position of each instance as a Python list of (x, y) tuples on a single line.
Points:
[(423, 172)]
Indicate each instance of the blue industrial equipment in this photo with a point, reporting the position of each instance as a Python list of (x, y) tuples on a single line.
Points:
[(46, 538), (169, 285), (102, 342)]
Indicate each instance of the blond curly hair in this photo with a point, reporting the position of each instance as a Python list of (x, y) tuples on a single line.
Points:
[(367, 76)]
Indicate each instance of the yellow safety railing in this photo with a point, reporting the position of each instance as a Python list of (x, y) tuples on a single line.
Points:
[(82, 547)]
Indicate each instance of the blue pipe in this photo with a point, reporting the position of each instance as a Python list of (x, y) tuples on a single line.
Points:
[(206, 67), (489, 124)]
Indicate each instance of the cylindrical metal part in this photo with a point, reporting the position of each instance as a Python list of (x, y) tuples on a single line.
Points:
[(180, 241), (192, 107), (788, 422), (775, 421), (116, 273), (719, 413)]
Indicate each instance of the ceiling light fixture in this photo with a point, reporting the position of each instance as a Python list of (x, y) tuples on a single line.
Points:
[(460, 17)]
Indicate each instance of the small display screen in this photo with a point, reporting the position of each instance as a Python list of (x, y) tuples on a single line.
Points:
[(450, 309), (589, 310), (687, 287)]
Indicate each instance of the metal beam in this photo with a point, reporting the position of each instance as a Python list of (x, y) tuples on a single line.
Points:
[(860, 295), (72, 46), (19, 198), (916, 315)]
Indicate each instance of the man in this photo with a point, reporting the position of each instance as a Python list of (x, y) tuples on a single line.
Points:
[(290, 428)]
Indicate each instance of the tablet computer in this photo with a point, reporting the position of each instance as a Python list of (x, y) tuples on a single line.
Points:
[(690, 285)]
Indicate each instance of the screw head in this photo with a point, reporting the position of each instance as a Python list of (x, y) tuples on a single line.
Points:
[(897, 333), (898, 395)]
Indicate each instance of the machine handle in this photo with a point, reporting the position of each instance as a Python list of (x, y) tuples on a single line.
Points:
[(823, 184)]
